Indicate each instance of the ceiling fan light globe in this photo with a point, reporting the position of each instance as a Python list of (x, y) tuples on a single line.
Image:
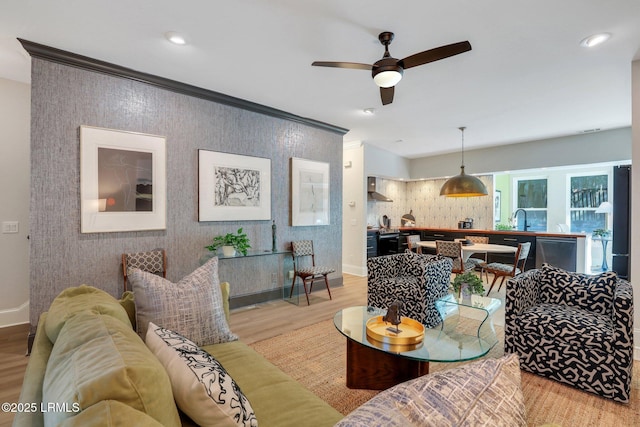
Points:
[(387, 78)]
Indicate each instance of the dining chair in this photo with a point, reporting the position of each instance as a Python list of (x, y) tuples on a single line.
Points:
[(479, 261), (300, 250), (412, 241), (154, 261), (500, 270), (453, 250)]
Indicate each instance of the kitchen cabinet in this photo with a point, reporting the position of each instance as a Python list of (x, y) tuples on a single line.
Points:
[(372, 243), (433, 235), (402, 241), (500, 237), (513, 240)]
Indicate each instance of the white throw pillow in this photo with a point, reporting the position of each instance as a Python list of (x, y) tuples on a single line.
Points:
[(193, 307), (201, 387)]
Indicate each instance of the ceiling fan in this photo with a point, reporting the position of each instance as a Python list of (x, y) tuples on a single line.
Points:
[(387, 72)]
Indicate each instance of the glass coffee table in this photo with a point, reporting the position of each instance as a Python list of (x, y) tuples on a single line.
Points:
[(466, 333)]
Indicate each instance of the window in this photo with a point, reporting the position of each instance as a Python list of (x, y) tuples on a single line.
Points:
[(586, 194), (532, 197)]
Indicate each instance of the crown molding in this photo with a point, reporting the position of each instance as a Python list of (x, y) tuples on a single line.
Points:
[(59, 56)]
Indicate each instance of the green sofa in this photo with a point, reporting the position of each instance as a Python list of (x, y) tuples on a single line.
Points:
[(276, 398)]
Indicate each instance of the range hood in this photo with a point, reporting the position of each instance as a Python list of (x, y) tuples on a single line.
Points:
[(372, 194)]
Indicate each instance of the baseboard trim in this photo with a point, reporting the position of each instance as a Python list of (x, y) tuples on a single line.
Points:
[(15, 316), (356, 270), (277, 294)]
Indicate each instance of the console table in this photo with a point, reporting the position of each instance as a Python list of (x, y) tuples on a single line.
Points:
[(259, 276)]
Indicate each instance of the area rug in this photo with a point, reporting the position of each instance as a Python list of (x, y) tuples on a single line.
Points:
[(315, 356)]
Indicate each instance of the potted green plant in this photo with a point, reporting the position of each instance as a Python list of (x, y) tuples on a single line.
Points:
[(468, 283), (504, 226), (230, 243), (601, 233)]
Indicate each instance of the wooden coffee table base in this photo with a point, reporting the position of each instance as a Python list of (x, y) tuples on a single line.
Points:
[(368, 368)]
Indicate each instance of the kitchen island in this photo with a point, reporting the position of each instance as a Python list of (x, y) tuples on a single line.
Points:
[(564, 250)]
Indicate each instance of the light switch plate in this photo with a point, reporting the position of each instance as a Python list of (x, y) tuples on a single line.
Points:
[(9, 227)]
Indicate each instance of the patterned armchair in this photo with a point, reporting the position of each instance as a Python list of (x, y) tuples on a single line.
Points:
[(415, 280), (573, 328)]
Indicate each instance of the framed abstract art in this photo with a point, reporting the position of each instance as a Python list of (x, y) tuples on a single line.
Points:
[(309, 192), (233, 187), (122, 181)]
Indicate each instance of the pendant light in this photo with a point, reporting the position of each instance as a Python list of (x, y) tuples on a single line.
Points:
[(463, 185)]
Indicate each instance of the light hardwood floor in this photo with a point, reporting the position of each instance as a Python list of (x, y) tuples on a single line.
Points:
[(274, 318)]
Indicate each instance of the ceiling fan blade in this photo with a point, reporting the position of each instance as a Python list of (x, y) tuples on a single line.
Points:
[(386, 93), (352, 65), (436, 54)]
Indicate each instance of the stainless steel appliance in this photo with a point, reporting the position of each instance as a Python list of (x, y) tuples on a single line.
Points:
[(372, 193), (388, 242), (557, 251)]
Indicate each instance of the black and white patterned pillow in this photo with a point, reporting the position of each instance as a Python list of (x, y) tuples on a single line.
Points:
[(594, 293), (201, 386)]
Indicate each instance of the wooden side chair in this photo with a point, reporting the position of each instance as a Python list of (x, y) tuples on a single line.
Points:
[(453, 250), (308, 273), (500, 270), (412, 241), (154, 261), (479, 262)]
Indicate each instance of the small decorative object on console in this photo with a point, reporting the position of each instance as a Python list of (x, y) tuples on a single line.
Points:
[(393, 316)]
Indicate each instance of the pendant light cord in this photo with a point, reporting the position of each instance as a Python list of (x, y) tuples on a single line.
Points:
[(462, 128)]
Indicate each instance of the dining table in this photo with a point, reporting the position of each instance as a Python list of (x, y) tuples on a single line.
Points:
[(474, 248)]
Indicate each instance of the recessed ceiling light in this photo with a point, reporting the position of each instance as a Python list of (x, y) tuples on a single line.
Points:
[(369, 111), (175, 38), (595, 39)]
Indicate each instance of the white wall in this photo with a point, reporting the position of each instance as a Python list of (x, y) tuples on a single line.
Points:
[(606, 146), (354, 199), (14, 192), (635, 202), (382, 163)]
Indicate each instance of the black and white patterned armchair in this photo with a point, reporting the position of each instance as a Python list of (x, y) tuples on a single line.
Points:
[(573, 328), (414, 279)]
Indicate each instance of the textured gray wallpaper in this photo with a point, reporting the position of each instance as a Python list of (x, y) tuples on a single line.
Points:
[(65, 97)]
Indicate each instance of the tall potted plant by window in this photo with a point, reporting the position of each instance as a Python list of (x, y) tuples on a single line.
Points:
[(230, 243)]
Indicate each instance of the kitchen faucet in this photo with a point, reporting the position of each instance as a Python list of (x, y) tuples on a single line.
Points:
[(514, 217)]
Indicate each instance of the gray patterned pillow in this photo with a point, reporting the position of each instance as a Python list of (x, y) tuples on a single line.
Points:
[(193, 307), (486, 392), (201, 386)]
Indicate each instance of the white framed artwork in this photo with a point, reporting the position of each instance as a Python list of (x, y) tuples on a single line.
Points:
[(233, 187), (309, 192), (122, 181)]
